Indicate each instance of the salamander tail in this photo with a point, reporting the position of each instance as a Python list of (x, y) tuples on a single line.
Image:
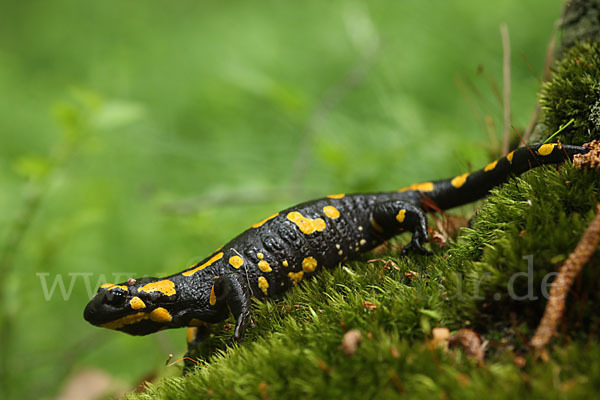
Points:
[(468, 187)]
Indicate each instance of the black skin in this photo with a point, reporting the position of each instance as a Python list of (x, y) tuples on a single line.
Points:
[(364, 221)]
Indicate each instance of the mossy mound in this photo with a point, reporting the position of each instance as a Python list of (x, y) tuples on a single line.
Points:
[(294, 350), (574, 93)]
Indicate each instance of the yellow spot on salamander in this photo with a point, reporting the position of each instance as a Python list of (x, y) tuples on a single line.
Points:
[(376, 226), (510, 156), (236, 261), (126, 320), (306, 225), (459, 180), (401, 215), (309, 264), (490, 166), (261, 223), (191, 334), (336, 196), (165, 286), (331, 212), (424, 187), (546, 149), (213, 259), (213, 297), (296, 276), (263, 284), (363, 242), (160, 315), (285, 263), (264, 266), (111, 286), (260, 256), (136, 303)]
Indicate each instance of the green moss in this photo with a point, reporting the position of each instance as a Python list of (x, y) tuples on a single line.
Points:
[(417, 373), (574, 92)]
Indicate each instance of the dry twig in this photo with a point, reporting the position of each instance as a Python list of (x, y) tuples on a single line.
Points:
[(470, 341), (555, 307)]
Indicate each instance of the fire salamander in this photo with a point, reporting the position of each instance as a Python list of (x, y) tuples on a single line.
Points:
[(292, 245)]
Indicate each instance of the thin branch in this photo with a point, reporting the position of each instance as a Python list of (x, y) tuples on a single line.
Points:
[(526, 61), (506, 77)]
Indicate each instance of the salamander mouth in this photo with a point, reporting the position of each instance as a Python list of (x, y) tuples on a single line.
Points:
[(133, 323), (98, 313)]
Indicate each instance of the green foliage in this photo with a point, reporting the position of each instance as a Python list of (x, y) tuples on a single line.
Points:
[(574, 92)]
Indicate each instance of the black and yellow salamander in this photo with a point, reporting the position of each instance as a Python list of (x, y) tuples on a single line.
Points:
[(280, 251)]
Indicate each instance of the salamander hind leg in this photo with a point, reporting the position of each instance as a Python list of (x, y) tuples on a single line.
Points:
[(395, 216), (195, 336)]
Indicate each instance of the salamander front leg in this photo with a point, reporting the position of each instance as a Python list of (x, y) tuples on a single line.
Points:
[(231, 290), (395, 216)]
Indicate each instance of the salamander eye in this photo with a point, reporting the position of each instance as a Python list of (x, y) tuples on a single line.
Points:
[(115, 298)]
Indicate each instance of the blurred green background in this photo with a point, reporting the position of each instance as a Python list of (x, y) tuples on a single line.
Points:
[(136, 137)]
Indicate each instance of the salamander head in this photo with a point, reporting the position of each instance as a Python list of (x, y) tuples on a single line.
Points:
[(137, 307)]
